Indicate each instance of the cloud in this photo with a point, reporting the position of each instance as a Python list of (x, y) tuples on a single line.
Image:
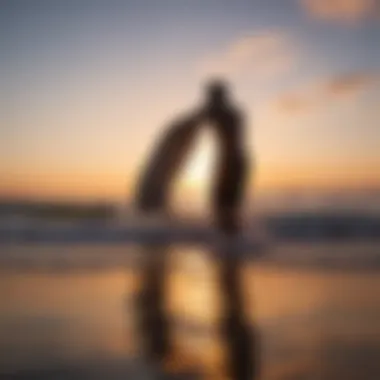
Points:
[(350, 83), (292, 103), (261, 55), (317, 94), (341, 10)]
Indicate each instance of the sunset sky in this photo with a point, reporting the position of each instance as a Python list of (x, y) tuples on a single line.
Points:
[(86, 87)]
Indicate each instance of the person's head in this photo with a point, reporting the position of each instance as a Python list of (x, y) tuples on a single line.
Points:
[(217, 91)]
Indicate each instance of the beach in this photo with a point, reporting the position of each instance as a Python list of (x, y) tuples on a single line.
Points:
[(71, 312)]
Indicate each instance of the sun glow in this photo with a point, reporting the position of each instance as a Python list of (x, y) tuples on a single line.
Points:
[(199, 167), (192, 190)]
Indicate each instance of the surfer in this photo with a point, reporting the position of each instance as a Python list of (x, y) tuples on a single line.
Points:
[(227, 191), (230, 175)]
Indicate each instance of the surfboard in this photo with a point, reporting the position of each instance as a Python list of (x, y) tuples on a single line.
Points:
[(153, 189)]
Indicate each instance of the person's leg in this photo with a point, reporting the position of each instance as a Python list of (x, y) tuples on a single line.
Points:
[(227, 221), (228, 194)]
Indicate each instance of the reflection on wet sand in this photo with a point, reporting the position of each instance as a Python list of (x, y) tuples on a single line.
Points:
[(176, 309), (313, 324)]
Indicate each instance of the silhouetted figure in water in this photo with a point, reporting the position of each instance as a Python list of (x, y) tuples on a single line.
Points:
[(227, 193)]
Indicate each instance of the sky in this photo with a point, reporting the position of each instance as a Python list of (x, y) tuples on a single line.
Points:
[(86, 87)]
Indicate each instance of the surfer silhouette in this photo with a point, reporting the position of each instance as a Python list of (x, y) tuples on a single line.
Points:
[(227, 193), (228, 184)]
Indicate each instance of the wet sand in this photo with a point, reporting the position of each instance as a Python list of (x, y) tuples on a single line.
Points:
[(71, 323)]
